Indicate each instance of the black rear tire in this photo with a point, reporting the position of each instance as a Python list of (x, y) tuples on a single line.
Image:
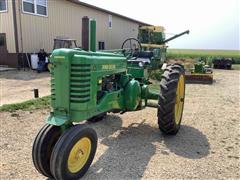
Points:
[(42, 148), (61, 154), (168, 121)]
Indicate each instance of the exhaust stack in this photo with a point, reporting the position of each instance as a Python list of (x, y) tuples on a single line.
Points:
[(85, 33), (88, 34)]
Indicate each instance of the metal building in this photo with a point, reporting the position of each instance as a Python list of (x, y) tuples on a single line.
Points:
[(28, 25)]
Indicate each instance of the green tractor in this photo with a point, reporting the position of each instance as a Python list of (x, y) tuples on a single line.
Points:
[(150, 48), (86, 85), (200, 73)]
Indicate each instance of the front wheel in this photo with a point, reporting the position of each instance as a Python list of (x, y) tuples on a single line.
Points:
[(171, 99), (73, 153), (43, 146)]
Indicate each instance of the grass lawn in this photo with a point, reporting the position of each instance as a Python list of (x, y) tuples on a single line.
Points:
[(39, 103), (236, 66), (193, 53)]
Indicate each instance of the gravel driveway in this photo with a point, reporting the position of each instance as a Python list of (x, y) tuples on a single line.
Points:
[(130, 146), (17, 86)]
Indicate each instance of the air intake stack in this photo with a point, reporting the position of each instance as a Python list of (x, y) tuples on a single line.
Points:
[(93, 35)]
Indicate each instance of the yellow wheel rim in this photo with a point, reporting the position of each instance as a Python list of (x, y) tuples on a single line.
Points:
[(79, 155), (179, 99)]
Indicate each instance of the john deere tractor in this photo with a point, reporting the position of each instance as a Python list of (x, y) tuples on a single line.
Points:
[(150, 47), (86, 85)]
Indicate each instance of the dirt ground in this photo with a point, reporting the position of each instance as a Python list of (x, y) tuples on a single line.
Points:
[(17, 86), (130, 146)]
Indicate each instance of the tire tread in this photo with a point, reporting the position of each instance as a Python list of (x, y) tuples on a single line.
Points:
[(167, 99)]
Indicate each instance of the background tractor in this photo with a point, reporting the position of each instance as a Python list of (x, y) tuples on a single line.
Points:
[(151, 40), (153, 44), (198, 71), (86, 85), (60, 42), (222, 63)]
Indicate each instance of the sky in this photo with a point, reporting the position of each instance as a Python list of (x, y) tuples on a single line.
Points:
[(213, 24)]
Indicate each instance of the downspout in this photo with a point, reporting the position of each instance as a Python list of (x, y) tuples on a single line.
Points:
[(15, 30), (20, 28)]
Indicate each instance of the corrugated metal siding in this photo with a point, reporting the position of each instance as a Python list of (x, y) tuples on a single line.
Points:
[(6, 26), (65, 19)]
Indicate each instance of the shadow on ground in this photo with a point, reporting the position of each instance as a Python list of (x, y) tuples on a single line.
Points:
[(129, 149), (189, 143)]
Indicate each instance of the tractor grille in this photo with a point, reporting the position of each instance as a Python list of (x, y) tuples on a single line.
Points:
[(53, 93), (80, 82)]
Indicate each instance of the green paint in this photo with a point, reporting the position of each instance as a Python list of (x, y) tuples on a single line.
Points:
[(75, 84), (93, 35), (136, 72), (132, 95), (199, 67), (77, 79)]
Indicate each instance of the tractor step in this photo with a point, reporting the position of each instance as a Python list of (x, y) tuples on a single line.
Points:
[(199, 78)]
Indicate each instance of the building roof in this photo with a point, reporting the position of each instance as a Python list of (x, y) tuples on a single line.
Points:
[(109, 12)]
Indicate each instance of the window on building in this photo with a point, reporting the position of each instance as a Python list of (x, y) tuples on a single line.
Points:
[(38, 7), (42, 7), (110, 21), (28, 6), (101, 45), (3, 5)]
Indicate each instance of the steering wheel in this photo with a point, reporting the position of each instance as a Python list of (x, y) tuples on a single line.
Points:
[(131, 48)]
